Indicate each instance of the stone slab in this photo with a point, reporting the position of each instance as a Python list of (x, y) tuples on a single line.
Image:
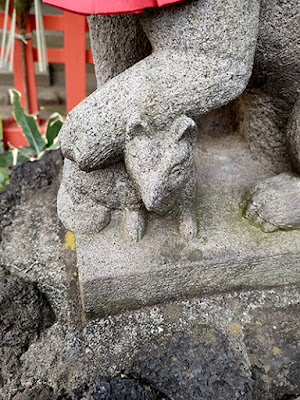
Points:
[(228, 253)]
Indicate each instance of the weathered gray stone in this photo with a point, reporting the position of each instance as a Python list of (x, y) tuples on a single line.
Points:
[(241, 344), (114, 389), (269, 115), (293, 134), (32, 241), (39, 392), (238, 328), (274, 359), (189, 359), (148, 98), (24, 314), (118, 42), (203, 56), (276, 68), (274, 87), (143, 114), (262, 124), (227, 252), (87, 199), (162, 176), (162, 166), (70, 359), (274, 203)]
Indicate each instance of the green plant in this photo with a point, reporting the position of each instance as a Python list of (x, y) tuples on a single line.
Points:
[(38, 143), (4, 176)]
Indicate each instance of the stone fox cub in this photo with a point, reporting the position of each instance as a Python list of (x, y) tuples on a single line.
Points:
[(158, 176)]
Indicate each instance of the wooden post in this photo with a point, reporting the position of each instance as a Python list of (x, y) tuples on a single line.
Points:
[(18, 71), (74, 55), (33, 106), (75, 58)]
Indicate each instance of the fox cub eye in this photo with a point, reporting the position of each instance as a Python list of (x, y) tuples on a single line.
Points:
[(176, 170)]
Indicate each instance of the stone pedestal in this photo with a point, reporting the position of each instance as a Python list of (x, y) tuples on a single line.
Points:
[(228, 254)]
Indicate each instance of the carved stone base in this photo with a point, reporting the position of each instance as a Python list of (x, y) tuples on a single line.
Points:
[(227, 254)]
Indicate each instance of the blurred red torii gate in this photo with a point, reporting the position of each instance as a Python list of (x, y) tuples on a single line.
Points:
[(73, 55)]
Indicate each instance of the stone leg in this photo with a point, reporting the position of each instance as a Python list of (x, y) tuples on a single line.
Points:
[(84, 216), (275, 203), (135, 224), (203, 57), (118, 42)]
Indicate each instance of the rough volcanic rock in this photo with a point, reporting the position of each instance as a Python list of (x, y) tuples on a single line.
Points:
[(197, 367), (24, 314), (114, 389), (273, 342), (32, 239)]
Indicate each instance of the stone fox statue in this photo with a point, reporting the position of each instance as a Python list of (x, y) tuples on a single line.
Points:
[(203, 57), (161, 169)]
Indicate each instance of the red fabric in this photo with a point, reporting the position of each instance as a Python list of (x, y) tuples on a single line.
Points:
[(87, 7)]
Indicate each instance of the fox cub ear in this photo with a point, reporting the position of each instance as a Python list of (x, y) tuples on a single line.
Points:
[(184, 128), (137, 127)]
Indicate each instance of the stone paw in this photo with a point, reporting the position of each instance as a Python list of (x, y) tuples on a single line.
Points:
[(135, 224), (84, 217), (275, 203)]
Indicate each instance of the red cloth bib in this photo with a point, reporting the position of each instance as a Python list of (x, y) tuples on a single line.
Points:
[(108, 6)]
